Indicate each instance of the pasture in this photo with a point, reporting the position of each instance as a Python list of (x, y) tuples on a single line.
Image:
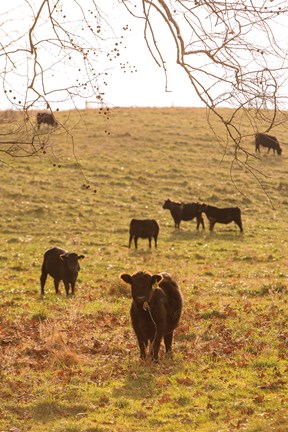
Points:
[(72, 364)]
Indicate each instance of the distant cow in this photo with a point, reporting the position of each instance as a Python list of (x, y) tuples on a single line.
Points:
[(46, 118), (185, 212), (267, 141), (143, 228), (222, 215), (155, 312), (61, 265)]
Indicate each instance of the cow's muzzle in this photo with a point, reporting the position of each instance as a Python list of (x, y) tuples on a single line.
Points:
[(140, 300)]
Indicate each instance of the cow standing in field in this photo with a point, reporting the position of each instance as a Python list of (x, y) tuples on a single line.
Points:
[(60, 265), (45, 118), (155, 312), (185, 212), (267, 141), (222, 215), (143, 228)]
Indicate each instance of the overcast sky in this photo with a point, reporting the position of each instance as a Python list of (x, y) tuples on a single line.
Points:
[(146, 85), (140, 83)]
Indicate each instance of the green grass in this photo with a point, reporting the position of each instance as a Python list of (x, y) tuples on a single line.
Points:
[(72, 364)]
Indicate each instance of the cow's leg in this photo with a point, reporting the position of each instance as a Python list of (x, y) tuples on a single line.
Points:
[(168, 342), (43, 278), (155, 240), (72, 287), (143, 347), (155, 348), (67, 287), (56, 285), (202, 222), (177, 223), (149, 239), (239, 223), (135, 241), (212, 223), (130, 240)]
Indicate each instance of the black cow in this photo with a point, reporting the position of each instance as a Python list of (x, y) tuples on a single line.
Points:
[(222, 215), (143, 228), (46, 118), (267, 141), (61, 265), (155, 312), (185, 212)]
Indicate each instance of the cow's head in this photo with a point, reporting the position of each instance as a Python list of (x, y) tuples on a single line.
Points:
[(201, 207), (72, 260), (279, 150), (141, 285), (167, 204)]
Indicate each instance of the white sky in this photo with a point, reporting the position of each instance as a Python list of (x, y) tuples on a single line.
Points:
[(146, 87), (143, 84)]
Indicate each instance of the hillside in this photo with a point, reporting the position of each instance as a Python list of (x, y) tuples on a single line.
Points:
[(72, 364)]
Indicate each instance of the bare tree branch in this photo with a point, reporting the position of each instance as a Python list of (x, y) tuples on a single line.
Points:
[(234, 53)]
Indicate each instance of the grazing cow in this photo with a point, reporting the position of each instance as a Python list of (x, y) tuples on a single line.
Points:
[(222, 215), (61, 265), (143, 228), (155, 312), (47, 118), (267, 141), (185, 212)]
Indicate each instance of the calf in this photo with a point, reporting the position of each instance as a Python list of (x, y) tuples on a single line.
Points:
[(222, 215), (155, 312), (267, 141), (143, 228), (61, 265), (48, 118), (185, 212)]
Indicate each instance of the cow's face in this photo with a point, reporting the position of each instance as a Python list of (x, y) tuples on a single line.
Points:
[(279, 150), (198, 207), (201, 207), (72, 260), (141, 285), (167, 204)]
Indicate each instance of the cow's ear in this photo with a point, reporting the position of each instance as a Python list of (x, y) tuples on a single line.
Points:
[(64, 256), (126, 278), (156, 279), (81, 256)]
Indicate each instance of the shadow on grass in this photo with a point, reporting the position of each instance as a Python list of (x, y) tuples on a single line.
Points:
[(179, 234), (143, 376), (141, 251), (139, 385), (46, 411), (228, 235)]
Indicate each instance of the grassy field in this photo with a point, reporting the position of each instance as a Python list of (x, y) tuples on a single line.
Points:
[(72, 364)]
